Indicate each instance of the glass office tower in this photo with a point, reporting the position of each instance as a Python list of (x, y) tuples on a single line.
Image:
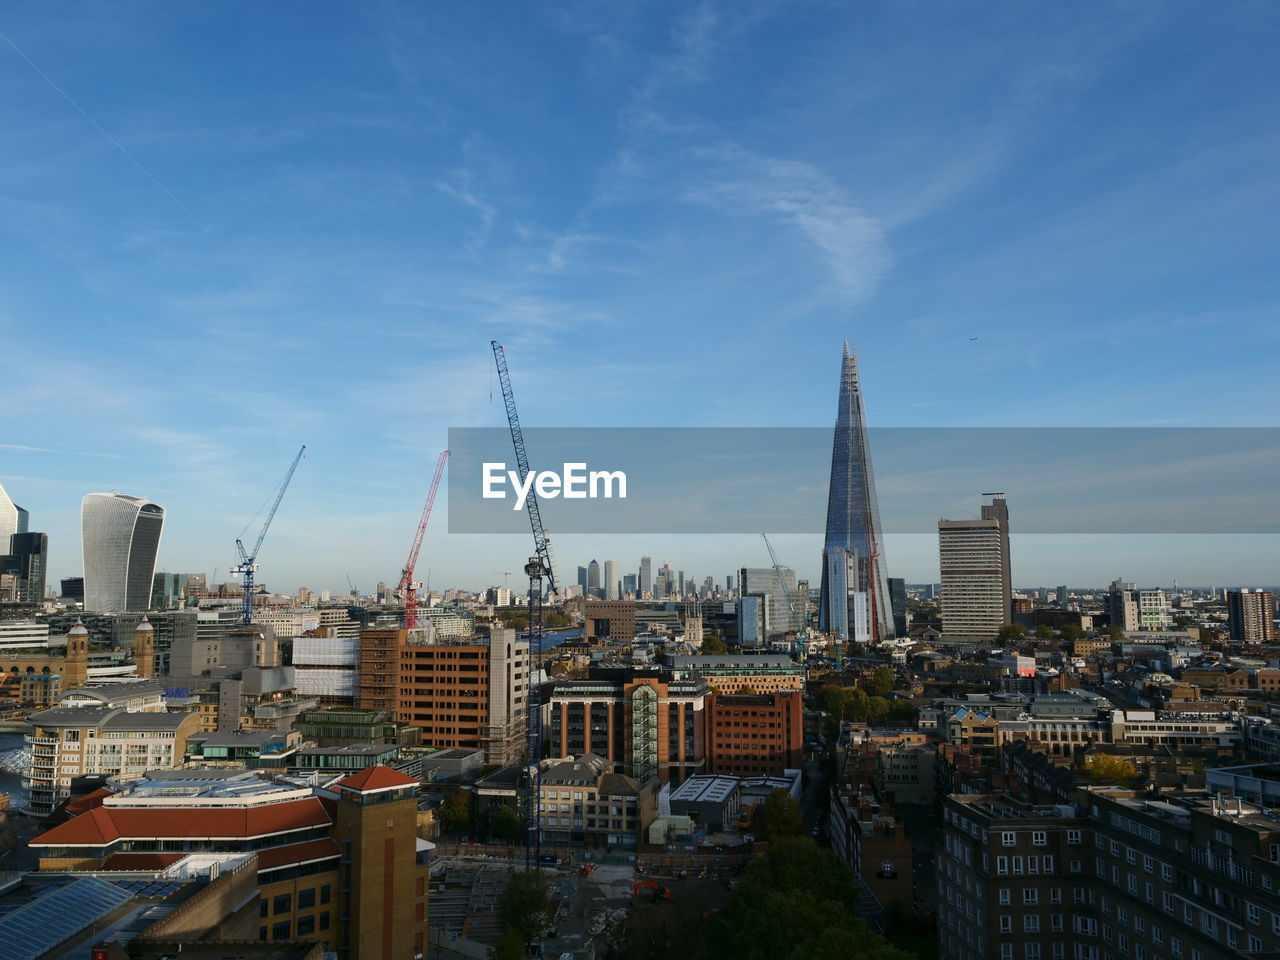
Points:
[(854, 603), (121, 536)]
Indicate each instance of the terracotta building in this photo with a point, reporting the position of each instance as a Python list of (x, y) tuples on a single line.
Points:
[(750, 734)]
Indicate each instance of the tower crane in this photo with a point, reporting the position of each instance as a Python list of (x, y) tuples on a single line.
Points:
[(538, 567), (799, 618), (248, 564), (408, 587)]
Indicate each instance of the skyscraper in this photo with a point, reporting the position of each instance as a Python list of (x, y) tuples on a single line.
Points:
[(973, 556), (1251, 615), (121, 535), (27, 560), (610, 574), (645, 584), (13, 519), (593, 579), (854, 602)]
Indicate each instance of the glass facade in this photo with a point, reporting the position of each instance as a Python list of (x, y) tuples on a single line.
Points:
[(854, 602), (121, 536)]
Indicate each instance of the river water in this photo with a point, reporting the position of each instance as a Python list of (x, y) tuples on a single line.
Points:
[(13, 764)]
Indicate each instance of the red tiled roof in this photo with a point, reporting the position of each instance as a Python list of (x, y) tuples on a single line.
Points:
[(297, 853), (102, 825), (376, 778), (88, 801), (140, 861)]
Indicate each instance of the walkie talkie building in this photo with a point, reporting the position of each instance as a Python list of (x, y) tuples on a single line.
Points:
[(854, 604), (120, 536)]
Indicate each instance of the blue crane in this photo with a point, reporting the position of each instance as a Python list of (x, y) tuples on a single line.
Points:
[(248, 564), (538, 567)]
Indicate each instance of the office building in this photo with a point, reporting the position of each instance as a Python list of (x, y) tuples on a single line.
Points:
[(750, 621), (13, 519), (755, 734), (1251, 616), (169, 590), (1182, 876), (468, 692), (72, 588), (743, 673), (582, 579), (854, 603), (644, 582), (593, 580), (998, 510), (613, 620), (776, 589), (27, 561), (630, 586), (585, 803), (121, 535), (973, 559), (338, 863), (898, 598), (610, 573), (1132, 609)]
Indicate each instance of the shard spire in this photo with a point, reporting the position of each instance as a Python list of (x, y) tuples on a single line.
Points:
[(854, 603)]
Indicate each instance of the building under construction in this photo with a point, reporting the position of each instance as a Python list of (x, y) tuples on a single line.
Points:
[(460, 692)]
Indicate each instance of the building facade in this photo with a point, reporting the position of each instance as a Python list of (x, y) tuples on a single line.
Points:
[(973, 558), (121, 536), (1251, 616), (755, 734)]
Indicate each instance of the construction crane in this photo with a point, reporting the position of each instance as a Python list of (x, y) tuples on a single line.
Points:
[(351, 586), (408, 587), (799, 618), (541, 544), (248, 564), (538, 568)]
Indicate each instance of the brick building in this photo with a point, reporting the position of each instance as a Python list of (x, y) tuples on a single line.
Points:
[(755, 733)]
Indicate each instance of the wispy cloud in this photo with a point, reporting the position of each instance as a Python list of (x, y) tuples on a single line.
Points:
[(459, 187)]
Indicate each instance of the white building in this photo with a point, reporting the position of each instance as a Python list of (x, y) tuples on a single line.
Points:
[(120, 537)]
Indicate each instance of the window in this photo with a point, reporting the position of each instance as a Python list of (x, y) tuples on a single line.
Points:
[(282, 904), (324, 920), (1166, 873), (280, 931), (1073, 837), (1006, 924), (306, 925), (1002, 865), (306, 898), (1031, 951), (1059, 950), (1047, 864), (1006, 951), (324, 893), (1039, 838), (1031, 923), (1004, 896), (1254, 912), (1008, 839), (1055, 922), (1030, 896), (262, 909)]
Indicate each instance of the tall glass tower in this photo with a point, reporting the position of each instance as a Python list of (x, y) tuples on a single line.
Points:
[(855, 603), (121, 536)]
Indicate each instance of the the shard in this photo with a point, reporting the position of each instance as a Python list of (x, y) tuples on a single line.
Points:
[(854, 604)]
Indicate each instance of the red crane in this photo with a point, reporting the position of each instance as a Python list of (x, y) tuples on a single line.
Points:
[(408, 588)]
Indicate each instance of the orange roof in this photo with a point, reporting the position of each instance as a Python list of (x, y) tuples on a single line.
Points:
[(88, 801), (376, 778), (102, 825), (297, 853)]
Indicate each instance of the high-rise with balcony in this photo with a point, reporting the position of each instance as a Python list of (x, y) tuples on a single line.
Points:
[(1251, 615), (121, 535), (973, 556), (854, 604)]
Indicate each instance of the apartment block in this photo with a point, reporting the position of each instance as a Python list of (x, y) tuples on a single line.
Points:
[(585, 803)]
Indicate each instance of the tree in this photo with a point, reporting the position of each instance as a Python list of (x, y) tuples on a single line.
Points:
[(883, 680), (713, 647), (855, 707), (1105, 768), (877, 709), (1115, 634), (510, 947), (525, 906), (505, 825), (901, 711), (833, 699), (1044, 632), (782, 816), (456, 810), (1071, 633), (1011, 631), (796, 902)]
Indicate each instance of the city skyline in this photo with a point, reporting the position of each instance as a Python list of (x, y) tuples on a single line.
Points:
[(982, 214)]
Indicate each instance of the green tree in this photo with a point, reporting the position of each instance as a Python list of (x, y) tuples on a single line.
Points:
[(525, 905), (1115, 634), (505, 825), (1071, 632), (797, 902), (901, 711), (833, 699), (782, 816), (1044, 632), (855, 707), (1011, 631), (877, 709), (1105, 768), (883, 680), (713, 646), (456, 810), (510, 947)]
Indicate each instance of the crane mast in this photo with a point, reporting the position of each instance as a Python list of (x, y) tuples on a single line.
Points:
[(408, 587), (538, 568), (248, 564), (798, 617)]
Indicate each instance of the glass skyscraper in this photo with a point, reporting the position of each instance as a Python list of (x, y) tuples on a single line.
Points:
[(855, 603), (121, 536)]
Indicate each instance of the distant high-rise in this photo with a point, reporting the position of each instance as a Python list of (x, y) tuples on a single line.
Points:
[(898, 595), (854, 602), (1251, 616), (121, 535), (610, 573), (629, 584), (1132, 609), (593, 579), (582, 579), (645, 584), (27, 560), (974, 561), (773, 586), (13, 519)]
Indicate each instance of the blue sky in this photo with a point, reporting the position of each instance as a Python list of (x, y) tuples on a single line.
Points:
[(228, 229)]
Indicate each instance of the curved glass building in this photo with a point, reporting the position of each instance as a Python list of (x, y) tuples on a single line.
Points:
[(855, 604), (120, 535)]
